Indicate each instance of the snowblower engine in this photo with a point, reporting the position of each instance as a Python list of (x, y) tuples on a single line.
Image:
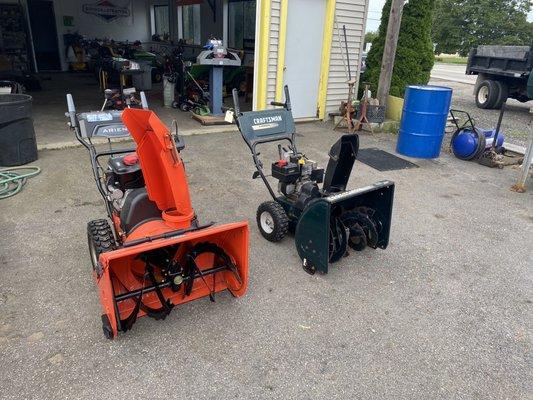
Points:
[(155, 254), (297, 175), (326, 219)]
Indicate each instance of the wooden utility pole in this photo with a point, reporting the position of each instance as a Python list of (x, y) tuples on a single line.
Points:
[(389, 52)]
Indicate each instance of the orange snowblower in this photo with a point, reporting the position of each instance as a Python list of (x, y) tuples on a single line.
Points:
[(155, 254)]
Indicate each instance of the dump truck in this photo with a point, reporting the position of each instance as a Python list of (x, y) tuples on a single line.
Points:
[(502, 72)]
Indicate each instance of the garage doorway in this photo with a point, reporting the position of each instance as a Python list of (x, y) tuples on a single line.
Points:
[(305, 30), (44, 33)]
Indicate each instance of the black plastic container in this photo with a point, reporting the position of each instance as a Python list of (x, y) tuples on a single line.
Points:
[(17, 136)]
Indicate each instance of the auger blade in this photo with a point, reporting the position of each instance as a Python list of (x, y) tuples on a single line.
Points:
[(313, 234)]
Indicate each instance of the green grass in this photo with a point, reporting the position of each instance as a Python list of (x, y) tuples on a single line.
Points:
[(451, 59)]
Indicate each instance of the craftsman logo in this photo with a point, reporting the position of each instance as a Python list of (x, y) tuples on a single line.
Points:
[(267, 120), (106, 10)]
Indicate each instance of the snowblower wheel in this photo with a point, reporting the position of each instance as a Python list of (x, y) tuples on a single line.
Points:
[(100, 239), (272, 221), (106, 327)]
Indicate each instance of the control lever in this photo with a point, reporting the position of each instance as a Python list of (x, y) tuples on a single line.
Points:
[(178, 141), (287, 98)]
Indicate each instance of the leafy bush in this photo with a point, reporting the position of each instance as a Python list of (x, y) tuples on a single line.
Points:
[(414, 53)]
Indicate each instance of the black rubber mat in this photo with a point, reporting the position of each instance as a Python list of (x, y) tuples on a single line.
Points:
[(383, 161)]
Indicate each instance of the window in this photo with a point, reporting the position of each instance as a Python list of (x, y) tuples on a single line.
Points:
[(191, 24), (241, 24), (161, 21)]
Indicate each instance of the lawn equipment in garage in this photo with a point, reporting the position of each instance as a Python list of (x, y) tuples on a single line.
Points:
[(327, 220), (155, 254)]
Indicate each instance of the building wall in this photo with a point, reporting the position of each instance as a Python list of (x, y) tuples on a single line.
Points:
[(273, 42), (208, 26), (351, 13), (139, 30)]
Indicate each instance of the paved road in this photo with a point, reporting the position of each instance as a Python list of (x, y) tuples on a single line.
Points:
[(517, 117), (453, 73)]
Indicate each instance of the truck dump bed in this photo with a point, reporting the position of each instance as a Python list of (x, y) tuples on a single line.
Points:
[(511, 61)]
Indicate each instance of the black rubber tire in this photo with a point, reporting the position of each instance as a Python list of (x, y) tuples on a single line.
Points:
[(278, 218), (100, 239), (106, 327), (503, 94), (492, 94)]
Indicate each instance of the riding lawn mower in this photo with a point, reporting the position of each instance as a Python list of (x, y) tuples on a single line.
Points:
[(155, 254), (325, 220)]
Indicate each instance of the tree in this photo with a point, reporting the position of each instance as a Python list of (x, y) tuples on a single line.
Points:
[(370, 36), (414, 53), (460, 25)]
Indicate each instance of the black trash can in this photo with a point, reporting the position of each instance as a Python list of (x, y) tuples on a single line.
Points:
[(17, 136)]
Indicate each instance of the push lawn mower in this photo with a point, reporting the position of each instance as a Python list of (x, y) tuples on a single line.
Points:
[(155, 254), (192, 95), (325, 220)]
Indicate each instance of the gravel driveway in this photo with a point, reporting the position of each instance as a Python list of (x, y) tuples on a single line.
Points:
[(515, 124)]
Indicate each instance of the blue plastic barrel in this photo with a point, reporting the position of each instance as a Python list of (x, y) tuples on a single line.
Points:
[(424, 116)]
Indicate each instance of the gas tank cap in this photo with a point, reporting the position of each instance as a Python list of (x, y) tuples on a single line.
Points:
[(131, 159)]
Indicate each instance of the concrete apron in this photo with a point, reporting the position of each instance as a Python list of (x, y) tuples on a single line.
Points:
[(202, 130)]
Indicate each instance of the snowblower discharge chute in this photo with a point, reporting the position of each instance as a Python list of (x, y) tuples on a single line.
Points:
[(155, 254), (327, 220)]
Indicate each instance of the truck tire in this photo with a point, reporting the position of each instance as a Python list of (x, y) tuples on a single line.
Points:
[(486, 94), (503, 94)]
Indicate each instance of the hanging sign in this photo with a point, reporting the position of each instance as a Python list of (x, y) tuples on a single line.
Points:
[(109, 11)]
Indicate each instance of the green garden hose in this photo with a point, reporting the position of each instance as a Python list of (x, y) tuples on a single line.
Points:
[(12, 179)]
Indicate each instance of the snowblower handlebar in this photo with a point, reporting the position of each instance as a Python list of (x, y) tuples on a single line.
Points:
[(287, 104), (71, 111), (236, 105)]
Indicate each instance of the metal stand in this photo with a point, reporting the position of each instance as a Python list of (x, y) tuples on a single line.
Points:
[(216, 77), (520, 186)]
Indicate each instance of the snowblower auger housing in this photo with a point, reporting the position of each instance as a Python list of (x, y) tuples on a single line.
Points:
[(326, 220), (155, 254)]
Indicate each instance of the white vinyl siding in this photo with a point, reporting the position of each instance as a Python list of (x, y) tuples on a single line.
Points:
[(273, 50), (351, 13)]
